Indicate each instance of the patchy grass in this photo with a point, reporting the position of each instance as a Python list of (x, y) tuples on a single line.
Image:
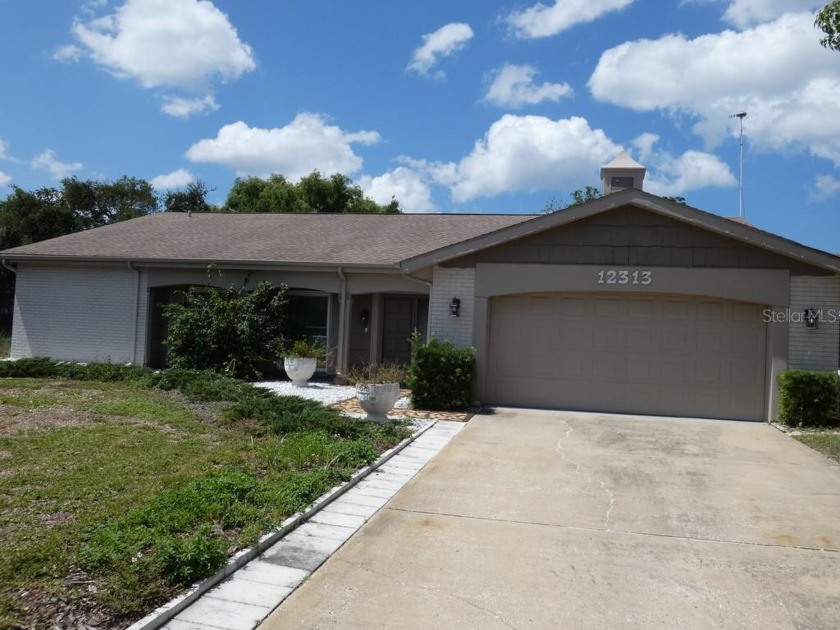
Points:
[(114, 496), (826, 442)]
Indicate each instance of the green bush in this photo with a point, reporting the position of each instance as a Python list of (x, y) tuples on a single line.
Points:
[(232, 331), (440, 375), (808, 398)]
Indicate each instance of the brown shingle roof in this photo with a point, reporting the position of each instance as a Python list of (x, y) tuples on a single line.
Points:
[(331, 239)]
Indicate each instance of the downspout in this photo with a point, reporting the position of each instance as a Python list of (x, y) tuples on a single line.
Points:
[(8, 266), (136, 312), (342, 324)]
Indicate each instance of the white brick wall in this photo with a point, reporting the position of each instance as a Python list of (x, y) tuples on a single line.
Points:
[(75, 313), (448, 283), (814, 348)]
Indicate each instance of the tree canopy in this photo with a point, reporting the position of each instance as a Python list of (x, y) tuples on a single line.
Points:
[(314, 193), (828, 21)]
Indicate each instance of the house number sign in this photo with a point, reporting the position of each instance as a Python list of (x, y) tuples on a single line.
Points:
[(625, 276)]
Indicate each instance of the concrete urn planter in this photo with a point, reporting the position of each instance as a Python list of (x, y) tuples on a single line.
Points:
[(300, 370), (377, 399)]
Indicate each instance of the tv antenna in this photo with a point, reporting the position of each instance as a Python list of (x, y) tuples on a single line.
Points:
[(740, 116)]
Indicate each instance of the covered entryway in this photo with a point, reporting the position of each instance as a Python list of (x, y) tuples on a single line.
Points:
[(629, 353)]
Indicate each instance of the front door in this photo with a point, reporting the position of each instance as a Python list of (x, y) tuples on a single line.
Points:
[(401, 316)]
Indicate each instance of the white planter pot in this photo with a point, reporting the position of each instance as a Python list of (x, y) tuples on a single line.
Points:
[(299, 370), (377, 399)]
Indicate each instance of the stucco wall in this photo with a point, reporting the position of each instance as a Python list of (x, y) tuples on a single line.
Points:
[(448, 283), (814, 348), (75, 313)]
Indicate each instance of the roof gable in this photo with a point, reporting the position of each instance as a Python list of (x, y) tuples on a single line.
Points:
[(681, 213)]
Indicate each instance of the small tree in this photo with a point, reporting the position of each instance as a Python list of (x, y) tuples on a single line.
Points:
[(232, 331)]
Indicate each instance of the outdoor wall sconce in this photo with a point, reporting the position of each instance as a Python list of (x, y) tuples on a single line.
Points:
[(364, 318), (455, 307), (811, 318)]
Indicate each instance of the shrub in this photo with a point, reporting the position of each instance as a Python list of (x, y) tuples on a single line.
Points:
[(440, 375), (232, 331), (376, 373), (808, 398)]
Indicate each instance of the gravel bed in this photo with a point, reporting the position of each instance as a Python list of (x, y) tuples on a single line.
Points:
[(322, 392)]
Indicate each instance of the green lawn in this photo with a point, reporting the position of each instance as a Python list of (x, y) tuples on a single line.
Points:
[(114, 496), (827, 443)]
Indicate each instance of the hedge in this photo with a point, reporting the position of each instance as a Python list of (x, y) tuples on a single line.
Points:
[(809, 398), (440, 375)]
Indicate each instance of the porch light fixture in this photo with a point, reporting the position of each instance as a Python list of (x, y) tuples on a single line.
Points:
[(811, 318), (364, 318), (455, 307)]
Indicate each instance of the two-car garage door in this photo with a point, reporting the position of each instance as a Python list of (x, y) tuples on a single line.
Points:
[(676, 355)]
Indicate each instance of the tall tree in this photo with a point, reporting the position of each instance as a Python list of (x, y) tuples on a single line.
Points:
[(828, 21), (96, 203), (192, 199), (313, 193)]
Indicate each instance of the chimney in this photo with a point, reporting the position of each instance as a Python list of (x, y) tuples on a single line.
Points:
[(622, 173)]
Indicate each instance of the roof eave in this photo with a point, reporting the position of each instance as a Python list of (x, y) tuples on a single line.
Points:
[(269, 265)]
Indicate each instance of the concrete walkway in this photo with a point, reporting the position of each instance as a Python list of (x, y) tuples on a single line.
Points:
[(586, 521), (242, 601)]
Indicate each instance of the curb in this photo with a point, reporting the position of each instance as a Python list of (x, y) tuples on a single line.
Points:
[(167, 611)]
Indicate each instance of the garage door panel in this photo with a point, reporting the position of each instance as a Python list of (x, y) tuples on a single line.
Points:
[(636, 354)]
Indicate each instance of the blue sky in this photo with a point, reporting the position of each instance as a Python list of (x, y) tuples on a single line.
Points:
[(470, 106)]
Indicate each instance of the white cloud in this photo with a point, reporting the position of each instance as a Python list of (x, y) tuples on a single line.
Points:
[(527, 153), (540, 20), (181, 44), (47, 161), (513, 86), (68, 53), (776, 72), (5, 180), (443, 42), (690, 171), (644, 145), (3, 147), (825, 187), (180, 107), (305, 144), (175, 179), (746, 13), (404, 184)]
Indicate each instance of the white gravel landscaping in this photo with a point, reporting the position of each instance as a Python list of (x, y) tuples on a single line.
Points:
[(322, 392)]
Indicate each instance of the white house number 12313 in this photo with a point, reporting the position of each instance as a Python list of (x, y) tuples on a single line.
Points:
[(624, 276)]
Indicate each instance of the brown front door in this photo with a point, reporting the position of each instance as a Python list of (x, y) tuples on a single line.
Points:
[(401, 316)]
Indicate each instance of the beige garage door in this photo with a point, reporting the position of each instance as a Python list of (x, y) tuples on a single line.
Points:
[(632, 354)]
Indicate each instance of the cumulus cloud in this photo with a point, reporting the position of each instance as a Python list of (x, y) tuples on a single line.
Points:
[(690, 171), (746, 13), (404, 184), (48, 161), (5, 180), (305, 144), (541, 20), (443, 42), (181, 107), (175, 179), (173, 44), (525, 153), (776, 72), (825, 187), (513, 86)]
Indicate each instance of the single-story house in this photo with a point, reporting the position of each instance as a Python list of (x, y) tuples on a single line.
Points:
[(627, 303)]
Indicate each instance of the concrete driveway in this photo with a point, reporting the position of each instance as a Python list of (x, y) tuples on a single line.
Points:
[(534, 519)]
